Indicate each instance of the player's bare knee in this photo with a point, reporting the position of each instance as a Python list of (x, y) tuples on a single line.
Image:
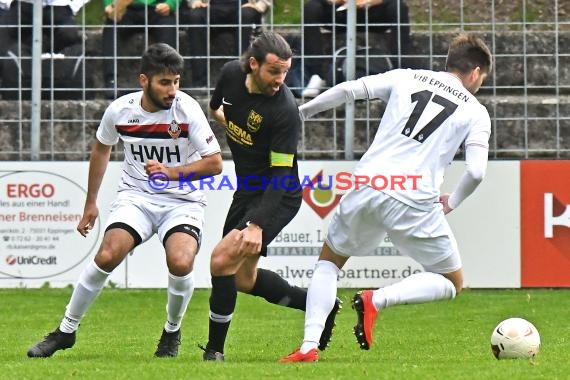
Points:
[(180, 263), (217, 263), (180, 271), (226, 257), (107, 259), (223, 262)]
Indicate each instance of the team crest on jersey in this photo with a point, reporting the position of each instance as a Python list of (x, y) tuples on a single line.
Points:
[(174, 129), (254, 121)]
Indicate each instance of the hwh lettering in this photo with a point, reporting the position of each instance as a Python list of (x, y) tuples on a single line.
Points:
[(550, 220), (145, 153)]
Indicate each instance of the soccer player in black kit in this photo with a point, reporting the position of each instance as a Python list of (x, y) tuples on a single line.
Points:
[(262, 125)]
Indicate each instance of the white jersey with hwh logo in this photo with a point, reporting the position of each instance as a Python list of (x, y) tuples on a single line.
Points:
[(176, 136), (428, 115)]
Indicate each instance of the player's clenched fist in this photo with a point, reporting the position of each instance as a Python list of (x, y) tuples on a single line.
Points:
[(153, 166)]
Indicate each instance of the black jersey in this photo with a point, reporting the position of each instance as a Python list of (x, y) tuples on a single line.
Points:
[(262, 131)]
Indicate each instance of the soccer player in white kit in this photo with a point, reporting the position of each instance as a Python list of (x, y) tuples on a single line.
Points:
[(428, 116), (161, 127)]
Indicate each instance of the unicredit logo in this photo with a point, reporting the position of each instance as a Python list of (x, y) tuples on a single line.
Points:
[(31, 260), (550, 220)]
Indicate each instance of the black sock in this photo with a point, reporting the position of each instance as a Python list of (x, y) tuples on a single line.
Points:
[(277, 290), (223, 303)]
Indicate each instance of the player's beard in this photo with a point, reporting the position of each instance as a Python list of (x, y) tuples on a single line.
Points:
[(264, 88), (155, 100)]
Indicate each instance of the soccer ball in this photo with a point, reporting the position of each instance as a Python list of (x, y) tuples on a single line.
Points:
[(515, 338)]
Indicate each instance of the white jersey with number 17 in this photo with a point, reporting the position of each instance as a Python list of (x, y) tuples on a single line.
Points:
[(428, 115)]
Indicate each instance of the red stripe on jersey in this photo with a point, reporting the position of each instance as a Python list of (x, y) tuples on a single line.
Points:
[(151, 128)]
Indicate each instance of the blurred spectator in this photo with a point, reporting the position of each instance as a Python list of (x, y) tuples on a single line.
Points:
[(62, 64), (4, 22), (380, 15), (123, 18), (4, 6), (246, 15), (58, 18)]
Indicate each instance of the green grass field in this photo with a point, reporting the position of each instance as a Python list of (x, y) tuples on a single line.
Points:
[(442, 340)]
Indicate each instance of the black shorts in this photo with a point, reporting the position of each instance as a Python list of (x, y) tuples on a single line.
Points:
[(240, 206)]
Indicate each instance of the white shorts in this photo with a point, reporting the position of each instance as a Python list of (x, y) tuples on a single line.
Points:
[(148, 218), (364, 216)]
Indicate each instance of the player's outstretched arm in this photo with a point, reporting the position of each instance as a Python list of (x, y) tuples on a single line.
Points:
[(100, 155), (334, 97)]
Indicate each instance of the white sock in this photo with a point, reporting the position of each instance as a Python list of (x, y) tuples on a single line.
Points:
[(88, 286), (320, 301), (180, 290), (417, 288)]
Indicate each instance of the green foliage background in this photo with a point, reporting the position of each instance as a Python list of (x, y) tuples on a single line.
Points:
[(431, 14)]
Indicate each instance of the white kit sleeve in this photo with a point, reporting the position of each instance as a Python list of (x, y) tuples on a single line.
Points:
[(476, 158), (334, 97)]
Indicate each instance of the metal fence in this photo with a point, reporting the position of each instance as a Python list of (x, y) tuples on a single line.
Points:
[(527, 94)]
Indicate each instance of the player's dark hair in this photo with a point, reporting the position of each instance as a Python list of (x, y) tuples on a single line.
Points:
[(466, 52), (266, 43), (161, 58)]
